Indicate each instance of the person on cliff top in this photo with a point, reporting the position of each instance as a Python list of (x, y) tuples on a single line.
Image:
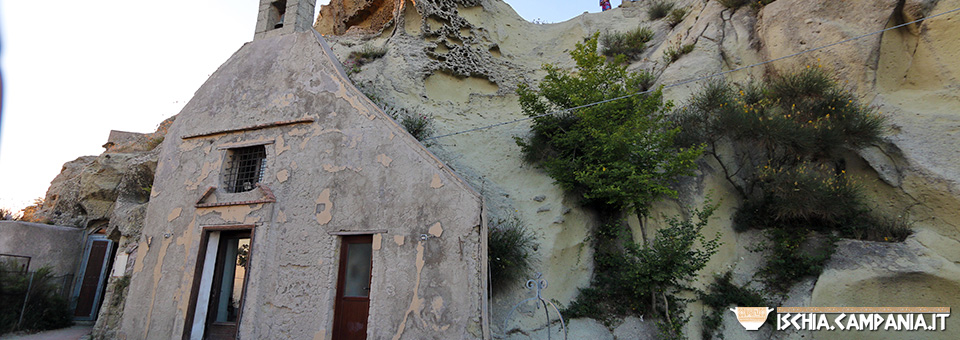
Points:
[(604, 4)]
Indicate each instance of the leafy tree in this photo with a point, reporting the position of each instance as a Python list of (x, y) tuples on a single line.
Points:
[(619, 155)]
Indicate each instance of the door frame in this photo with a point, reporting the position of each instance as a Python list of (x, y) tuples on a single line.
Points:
[(341, 277), (188, 326), (81, 272)]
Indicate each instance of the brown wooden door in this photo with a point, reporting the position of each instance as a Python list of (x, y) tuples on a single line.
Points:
[(353, 288), (226, 292), (91, 278)]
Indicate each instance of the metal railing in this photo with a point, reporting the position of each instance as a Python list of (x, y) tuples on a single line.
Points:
[(537, 285), (29, 295)]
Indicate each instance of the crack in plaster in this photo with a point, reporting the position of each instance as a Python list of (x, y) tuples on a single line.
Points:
[(186, 240), (416, 302), (156, 283)]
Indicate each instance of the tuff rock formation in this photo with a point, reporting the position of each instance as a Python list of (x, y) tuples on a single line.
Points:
[(109, 191), (909, 73)]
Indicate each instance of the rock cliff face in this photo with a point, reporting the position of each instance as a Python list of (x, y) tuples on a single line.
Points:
[(460, 61), (909, 73), (109, 191)]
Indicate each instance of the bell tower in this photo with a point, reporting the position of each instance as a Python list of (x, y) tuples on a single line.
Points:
[(284, 16)]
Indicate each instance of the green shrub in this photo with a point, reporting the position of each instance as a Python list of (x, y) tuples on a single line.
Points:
[(734, 4), (676, 51), (6, 214), (367, 54), (659, 9), (803, 196), (120, 290), (633, 278), (801, 120), (797, 127), (630, 44), (45, 309), (153, 143), (420, 126), (676, 16), (884, 229), (761, 3), (794, 255), (645, 80), (720, 295), (509, 253), (356, 59)]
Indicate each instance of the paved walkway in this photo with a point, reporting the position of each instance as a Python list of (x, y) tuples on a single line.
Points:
[(70, 333)]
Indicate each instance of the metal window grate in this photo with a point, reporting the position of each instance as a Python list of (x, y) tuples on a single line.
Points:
[(246, 168)]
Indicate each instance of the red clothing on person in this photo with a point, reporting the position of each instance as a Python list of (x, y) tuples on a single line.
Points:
[(604, 4)]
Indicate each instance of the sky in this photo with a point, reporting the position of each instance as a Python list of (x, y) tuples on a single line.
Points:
[(91, 67)]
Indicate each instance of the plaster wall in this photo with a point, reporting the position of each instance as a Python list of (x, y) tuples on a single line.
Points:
[(47, 245), (335, 163)]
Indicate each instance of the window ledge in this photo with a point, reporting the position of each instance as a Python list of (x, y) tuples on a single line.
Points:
[(251, 127), (358, 232), (244, 144), (268, 197)]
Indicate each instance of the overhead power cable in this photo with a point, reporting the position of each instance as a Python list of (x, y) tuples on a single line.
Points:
[(697, 79)]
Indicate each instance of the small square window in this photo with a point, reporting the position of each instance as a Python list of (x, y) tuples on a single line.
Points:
[(245, 167)]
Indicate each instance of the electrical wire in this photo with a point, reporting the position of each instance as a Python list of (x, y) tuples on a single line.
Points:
[(693, 80)]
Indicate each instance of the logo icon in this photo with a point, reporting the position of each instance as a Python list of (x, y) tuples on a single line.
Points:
[(751, 318)]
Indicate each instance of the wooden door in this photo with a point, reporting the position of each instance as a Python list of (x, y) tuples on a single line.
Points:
[(353, 288), (226, 291), (92, 278)]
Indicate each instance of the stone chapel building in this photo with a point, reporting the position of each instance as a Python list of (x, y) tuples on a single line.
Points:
[(287, 206)]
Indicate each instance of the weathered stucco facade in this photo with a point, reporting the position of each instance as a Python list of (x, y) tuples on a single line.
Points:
[(335, 165)]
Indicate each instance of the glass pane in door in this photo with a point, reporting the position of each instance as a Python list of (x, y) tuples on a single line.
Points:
[(233, 272), (357, 280)]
